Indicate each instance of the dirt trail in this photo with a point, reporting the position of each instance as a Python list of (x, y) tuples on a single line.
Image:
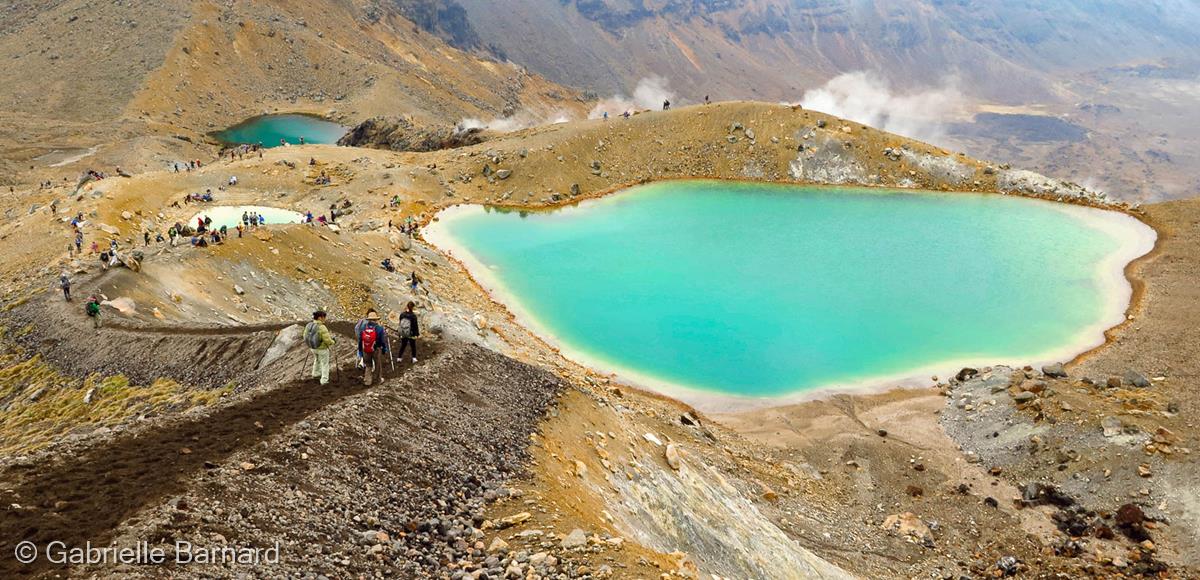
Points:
[(199, 356), (84, 497)]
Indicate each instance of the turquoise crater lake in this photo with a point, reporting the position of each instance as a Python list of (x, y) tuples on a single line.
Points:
[(725, 291), (270, 129)]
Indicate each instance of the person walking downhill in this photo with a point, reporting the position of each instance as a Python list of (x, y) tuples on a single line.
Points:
[(372, 348), (409, 331), (92, 308), (65, 283), (318, 338), (358, 329)]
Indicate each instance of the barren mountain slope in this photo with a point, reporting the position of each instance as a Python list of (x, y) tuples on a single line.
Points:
[(164, 73), (1136, 61)]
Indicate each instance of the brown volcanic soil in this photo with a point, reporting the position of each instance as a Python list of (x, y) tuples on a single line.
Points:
[(84, 497), (145, 82), (817, 474)]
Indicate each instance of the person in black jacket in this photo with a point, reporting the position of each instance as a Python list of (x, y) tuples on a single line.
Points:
[(409, 331)]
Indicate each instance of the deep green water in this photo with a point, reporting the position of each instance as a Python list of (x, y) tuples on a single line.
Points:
[(765, 290), (269, 129)]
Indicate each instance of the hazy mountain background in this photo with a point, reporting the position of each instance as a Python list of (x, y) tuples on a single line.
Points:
[(1101, 92)]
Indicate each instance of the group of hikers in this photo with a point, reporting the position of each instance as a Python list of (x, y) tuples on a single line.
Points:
[(241, 151), (374, 346), (409, 226), (189, 165), (206, 197)]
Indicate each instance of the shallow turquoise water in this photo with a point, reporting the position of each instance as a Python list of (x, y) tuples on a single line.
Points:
[(764, 290), (231, 215), (269, 129)]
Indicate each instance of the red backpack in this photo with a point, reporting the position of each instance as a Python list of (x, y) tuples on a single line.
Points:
[(369, 334)]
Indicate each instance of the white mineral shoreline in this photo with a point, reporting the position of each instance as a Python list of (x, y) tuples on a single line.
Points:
[(1137, 239)]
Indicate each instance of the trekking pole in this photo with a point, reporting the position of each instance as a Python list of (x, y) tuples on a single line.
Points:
[(391, 356), (305, 365)]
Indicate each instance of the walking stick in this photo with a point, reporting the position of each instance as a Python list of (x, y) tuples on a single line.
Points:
[(306, 355), (391, 356)]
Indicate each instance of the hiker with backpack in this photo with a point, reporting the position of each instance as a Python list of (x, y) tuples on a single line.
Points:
[(65, 283), (358, 329), (318, 338), (409, 331), (372, 347), (92, 308)]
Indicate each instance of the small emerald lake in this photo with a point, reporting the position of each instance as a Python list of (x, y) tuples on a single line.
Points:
[(721, 290), (274, 130)]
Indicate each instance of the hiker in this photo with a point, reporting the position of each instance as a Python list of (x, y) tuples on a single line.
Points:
[(92, 308), (104, 260), (158, 238), (318, 338), (409, 331), (173, 233), (414, 281), (224, 232), (706, 101), (387, 265), (79, 242), (239, 230), (65, 283), (372, 348), (146, 237), (666, 105)]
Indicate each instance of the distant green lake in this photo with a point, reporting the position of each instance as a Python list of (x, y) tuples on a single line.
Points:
[(270, 129), (754, 291)]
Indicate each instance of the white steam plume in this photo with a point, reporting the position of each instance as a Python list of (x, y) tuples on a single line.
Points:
[(649, 93), (523, 119), (868, 99)]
